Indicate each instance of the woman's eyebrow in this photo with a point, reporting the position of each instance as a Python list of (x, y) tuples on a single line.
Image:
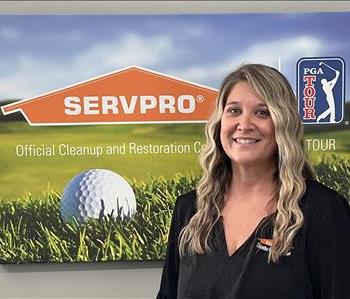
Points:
[(236, 103), (231, 103)]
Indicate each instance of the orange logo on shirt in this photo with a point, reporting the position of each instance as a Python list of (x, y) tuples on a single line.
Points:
[(266, 242), (130, 95), (265, 245)]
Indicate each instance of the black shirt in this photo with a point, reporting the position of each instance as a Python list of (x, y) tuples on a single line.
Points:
[(317, 267)]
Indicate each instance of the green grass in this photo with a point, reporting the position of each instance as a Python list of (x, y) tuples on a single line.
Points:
[(32, 230), (335, 173)]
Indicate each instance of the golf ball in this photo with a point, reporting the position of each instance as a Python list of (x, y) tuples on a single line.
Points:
[(96, 193)]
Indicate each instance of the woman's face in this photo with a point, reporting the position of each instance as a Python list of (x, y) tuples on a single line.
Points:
[(247, 131)]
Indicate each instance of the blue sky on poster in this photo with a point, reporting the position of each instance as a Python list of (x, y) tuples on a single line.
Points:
[(42, 53)]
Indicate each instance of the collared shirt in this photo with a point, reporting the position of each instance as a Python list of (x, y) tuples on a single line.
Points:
[(317, 267)]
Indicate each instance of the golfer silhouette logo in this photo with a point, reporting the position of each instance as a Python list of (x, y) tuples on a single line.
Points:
[(321, 89), (327, 87)]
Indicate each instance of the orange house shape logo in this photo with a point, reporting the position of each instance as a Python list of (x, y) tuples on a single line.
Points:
[(130, 95)]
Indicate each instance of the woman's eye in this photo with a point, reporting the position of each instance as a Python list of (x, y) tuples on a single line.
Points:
[(233, 110), (263, 112)]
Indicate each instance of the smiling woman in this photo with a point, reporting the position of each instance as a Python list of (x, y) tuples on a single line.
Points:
[(258, 225)]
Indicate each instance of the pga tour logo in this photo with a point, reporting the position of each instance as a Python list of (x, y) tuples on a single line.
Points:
[(321, 90)]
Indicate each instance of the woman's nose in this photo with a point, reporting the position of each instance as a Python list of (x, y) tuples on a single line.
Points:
[(245, 122)]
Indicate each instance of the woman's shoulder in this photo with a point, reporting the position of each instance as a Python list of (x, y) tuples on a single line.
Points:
[(185, 206), (322, 201), (315, 189), (319, 194)]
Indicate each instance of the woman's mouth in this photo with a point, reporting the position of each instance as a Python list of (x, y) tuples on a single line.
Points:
[(246, 140)]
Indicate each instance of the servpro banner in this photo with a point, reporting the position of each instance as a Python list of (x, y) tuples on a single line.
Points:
[(102, 120), (131, 95)]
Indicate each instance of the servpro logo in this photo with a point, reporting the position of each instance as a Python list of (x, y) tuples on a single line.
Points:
[(131, 95), (125, 105)]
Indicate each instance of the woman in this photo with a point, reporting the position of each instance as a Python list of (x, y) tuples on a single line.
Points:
[(258, 226)]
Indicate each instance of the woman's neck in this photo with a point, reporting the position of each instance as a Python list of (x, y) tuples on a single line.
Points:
[(253, 185)]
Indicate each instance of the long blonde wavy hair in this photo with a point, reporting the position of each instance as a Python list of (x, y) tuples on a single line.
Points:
[(293, 167)]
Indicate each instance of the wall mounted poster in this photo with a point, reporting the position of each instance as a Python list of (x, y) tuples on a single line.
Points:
[(102, 120)]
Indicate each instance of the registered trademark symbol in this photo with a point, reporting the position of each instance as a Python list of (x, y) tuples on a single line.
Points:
[(200, 99), (346, 122)]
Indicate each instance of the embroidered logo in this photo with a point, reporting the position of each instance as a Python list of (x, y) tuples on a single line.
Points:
[(265, 245)]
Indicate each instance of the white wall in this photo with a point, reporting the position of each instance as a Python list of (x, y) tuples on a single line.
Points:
[(118, 280)]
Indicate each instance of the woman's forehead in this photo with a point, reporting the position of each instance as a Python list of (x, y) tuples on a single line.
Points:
[(243, 93)]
